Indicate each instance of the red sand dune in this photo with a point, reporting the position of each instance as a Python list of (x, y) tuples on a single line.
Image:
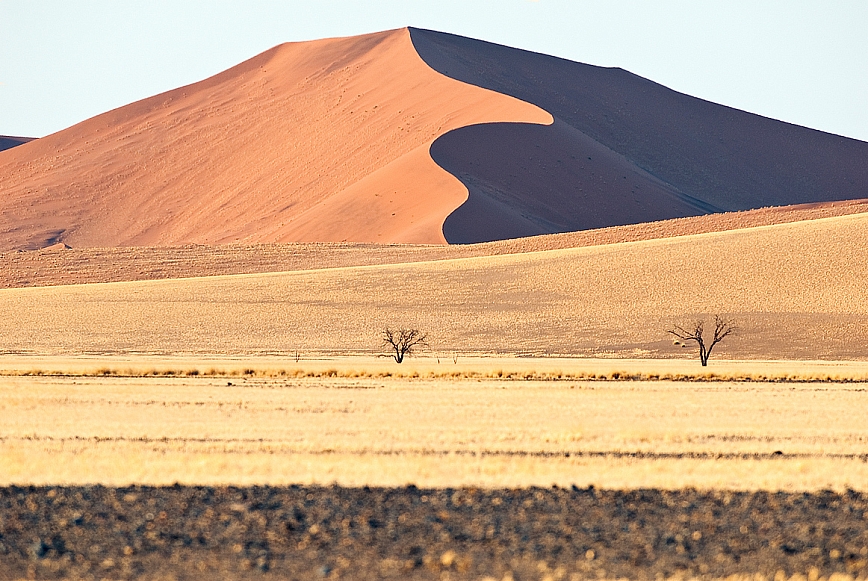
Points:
[(337, 139), (313, 141)]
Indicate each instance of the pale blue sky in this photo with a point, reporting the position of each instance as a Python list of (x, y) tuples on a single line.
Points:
[(806, 62)]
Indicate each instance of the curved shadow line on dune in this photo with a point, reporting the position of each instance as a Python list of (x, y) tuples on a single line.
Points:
[(729, 159), (526, 179), (466, 224), (462, 225)]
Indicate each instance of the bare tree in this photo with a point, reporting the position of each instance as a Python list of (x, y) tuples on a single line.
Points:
[(403, 341), (722, 329)]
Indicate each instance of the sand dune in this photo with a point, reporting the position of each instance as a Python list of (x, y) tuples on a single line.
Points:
[(795, 290), (336, 141), (622, 150), (313, 141)]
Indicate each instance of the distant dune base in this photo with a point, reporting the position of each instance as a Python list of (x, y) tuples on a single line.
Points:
[(796, 291), (61, 265)]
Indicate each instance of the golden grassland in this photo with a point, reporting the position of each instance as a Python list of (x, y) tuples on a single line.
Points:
[(543, 367), (380, 430), (796, 291)]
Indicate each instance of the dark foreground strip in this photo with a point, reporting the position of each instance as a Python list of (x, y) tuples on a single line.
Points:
[(409, 533)]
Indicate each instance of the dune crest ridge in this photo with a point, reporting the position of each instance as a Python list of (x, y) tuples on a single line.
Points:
[(314, 141)]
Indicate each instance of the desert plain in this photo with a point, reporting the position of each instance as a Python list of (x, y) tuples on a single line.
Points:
[(193, 381), (253, 425)]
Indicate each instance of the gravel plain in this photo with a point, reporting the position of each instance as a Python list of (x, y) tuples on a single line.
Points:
[(297, 532)]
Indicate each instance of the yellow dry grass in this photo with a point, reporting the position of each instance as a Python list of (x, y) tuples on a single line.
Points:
[(796, 291), (338, 414), (432, 432), (442, 365)]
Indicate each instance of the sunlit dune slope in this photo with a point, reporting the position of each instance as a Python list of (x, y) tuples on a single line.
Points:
[(622, 149), (8, 142), (794, 290), (314, 141)]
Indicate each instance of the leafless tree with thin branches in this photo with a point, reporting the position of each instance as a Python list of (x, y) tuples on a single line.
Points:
[(722, 329), (403, 341)]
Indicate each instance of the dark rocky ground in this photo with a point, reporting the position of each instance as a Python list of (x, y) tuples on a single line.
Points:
[(409, 533)]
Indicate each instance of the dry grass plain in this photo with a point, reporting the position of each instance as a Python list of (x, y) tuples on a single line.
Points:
[(387, 431), (429, 365), (796, 291), (139, 370)]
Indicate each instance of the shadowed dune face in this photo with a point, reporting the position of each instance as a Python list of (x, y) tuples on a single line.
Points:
[(8, 142), (526, 180), (722, 158), (315, 141)]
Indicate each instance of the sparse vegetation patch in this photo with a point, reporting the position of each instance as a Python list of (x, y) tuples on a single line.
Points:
[(456, 374)]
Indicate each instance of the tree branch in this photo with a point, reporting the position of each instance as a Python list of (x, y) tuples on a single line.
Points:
[(722, 329), (403, 341)]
